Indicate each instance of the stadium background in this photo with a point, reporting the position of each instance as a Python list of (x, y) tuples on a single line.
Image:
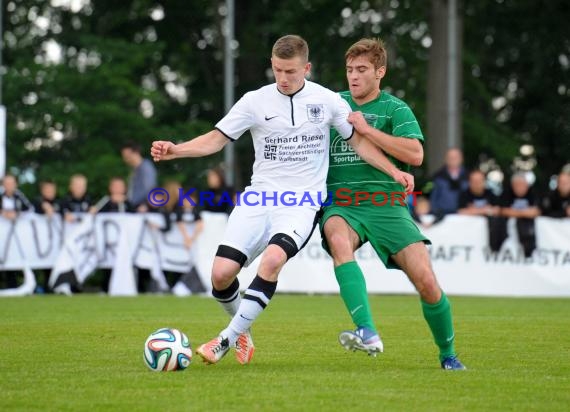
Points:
[(80, 77)]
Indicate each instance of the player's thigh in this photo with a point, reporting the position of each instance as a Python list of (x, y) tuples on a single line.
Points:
[(342, 226), (247, 230), (341, 238), (297, 222), (391, 233)]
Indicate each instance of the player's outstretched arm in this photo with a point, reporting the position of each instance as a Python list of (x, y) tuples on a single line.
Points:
[(203, 145), (409, 151), (376, 158)]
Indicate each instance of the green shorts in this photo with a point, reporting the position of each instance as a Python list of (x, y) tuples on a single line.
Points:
[(387, 233)]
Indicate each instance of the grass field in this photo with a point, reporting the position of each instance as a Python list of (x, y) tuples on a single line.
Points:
[(85, 353)]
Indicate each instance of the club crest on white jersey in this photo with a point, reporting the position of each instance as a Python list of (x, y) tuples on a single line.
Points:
[(315, 113)]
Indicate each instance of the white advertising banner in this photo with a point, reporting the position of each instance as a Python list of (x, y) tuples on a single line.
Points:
[(460, 255)]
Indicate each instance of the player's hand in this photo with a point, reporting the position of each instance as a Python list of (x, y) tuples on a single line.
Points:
[(161, 150), (407, 180), (358, 121)]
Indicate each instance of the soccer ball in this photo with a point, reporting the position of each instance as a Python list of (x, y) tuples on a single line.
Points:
[(167, 349)]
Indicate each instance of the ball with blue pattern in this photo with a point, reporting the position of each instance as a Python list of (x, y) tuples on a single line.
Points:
[(167, 349)]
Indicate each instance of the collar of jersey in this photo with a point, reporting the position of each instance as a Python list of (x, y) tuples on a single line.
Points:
[(291, 95), (367, 103)]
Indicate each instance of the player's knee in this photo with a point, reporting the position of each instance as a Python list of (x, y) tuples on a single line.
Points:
[(227, 265), (222, 277), (272, 261), (285, 243), (427, 286), (339, 244)]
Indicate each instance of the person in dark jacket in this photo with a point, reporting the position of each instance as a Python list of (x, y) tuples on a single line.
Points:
[(116, 201), (520, 202), (448, 183), (77, 200), (47, 204), (12, 203), (477, 200), (557, 203)]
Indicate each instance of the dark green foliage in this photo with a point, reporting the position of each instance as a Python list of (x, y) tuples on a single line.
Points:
[(115, 55)]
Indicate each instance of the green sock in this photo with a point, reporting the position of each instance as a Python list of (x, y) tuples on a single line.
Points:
[(438, 317), (354, 294)]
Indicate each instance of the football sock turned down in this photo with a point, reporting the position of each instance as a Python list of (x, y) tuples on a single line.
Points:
[(229, 298), (354, 294), (438, 317), (255, 299)]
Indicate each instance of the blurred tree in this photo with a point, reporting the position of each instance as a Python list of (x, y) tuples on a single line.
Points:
[(517, 80), (83, 76), (82, 79)]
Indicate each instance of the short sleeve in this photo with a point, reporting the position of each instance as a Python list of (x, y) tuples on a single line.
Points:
[(340, 117), (405, 124), (238, 120)]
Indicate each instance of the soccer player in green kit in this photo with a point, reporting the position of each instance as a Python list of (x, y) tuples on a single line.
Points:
[(391, 125)]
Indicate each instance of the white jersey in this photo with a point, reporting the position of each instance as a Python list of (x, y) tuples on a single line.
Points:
[(290, 135)]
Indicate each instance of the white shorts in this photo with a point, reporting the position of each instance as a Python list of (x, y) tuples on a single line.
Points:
[(250, 228)]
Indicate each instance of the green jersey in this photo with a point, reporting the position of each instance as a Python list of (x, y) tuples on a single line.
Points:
[(347, 170)]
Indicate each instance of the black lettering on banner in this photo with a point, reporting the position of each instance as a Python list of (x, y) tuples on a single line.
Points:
[(313, 251), (365, 253), (166, 238), (86, 245), (566, 259), (140, 242), (451, 253), (110, 242), (8, 242), (49, 223)]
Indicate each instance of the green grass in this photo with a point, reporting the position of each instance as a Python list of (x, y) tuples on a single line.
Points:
[(85, 353)]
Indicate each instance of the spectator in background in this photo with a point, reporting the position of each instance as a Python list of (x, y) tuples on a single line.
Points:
[(557, 203), (48, 203), (216, 184), (77, 200), (12, 201), (174, 212), (422, 213), (477, 199), (448, 183), (142, 178), (116, 201), (520, 202)]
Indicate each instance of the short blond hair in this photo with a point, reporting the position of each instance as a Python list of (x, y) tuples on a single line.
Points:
[(290, 46), (374, 49)]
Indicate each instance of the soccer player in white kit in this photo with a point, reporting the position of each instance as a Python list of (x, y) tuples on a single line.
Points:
[(289, 122)]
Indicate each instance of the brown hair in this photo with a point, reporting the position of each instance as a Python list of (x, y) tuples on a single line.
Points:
[(373, 48), (290, 46)]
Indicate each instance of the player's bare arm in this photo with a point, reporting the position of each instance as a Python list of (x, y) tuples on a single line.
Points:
[(203, 145), (409, 151), (376, 158)]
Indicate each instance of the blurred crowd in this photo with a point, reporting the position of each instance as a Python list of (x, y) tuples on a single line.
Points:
[(455, 190), (125, 195)]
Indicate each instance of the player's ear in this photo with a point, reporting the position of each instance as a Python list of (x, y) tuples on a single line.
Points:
[(308, 70), (380, 72)]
